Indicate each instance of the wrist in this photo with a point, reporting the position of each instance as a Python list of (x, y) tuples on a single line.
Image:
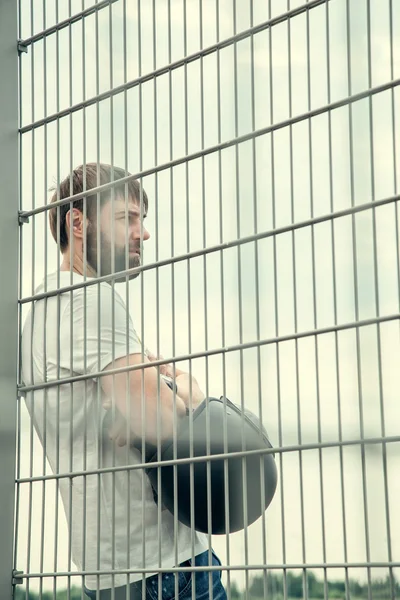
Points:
[(197, 399)]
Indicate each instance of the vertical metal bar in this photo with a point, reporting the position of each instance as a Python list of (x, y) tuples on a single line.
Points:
[(71, 323), (98, 271), (189, 281), (221, 257), (257, 294), (356, 303), (158, 411), (85, 419), (301, 472), (188, 274), (21, 249), (314, 292), (143, 403), (377, 305), (127, 378), (240, 301), (20, 287), (9, 294), (31, 438), (394, 146), (335, 310), (173, 307), (45, 215), (291, 176), (276, 303), (113, 268), (310, 177), (396, 212), (204, 210), (58, 350), (393, 114)]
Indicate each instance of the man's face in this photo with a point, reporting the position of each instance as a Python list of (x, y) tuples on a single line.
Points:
[(120, 229)]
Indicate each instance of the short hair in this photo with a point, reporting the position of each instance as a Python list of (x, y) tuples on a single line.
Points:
[(106, 174)]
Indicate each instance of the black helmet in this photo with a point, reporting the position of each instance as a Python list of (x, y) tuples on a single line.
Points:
[(245, 486)]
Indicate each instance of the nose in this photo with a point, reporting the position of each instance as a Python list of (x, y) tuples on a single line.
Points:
[(137, 231)]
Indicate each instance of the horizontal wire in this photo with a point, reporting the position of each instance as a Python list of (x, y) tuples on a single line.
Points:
[(22, 390), (395, 439), (222, 146), (175, 65), (66, 22), (255, 567)]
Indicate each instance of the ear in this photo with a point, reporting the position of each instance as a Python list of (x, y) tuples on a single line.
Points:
[(75, 225)]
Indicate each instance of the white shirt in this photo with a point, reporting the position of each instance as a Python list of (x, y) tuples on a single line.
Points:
[(113, 519)]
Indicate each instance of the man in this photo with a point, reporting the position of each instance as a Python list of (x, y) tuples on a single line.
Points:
[(89, 424)]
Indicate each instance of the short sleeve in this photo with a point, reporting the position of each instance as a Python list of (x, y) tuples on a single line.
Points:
[(102, 330)]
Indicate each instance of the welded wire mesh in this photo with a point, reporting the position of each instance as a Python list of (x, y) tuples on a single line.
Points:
[(264, 135)]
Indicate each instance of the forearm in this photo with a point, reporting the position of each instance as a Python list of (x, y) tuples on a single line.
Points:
[(153, 408)]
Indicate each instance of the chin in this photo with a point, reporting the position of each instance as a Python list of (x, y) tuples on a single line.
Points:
[(130, 276), (119, 279)]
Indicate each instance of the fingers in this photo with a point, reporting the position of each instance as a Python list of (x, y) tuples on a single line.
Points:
[(152, 357), (188, 387), (164, 369)]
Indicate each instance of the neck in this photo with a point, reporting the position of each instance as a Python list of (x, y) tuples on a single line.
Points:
[(77, 266)]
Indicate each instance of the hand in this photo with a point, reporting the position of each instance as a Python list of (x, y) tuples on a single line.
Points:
[(187, 385), (184, 382), (166, 369)]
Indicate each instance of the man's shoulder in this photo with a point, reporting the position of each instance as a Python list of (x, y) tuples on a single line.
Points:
[(105, 292), (98, 300)]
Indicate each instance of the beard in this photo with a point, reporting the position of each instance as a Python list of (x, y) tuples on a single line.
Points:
[(103, 265)]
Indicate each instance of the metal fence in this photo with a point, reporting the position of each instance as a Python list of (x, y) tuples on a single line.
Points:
[(264, 134)]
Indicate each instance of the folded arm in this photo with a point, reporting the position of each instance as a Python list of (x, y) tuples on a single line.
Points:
[(143, 399)]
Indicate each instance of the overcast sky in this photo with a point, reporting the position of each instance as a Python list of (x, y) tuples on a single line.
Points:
[(253, 188)]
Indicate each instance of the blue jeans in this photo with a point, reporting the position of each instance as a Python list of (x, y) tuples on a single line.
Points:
[(167, 584)]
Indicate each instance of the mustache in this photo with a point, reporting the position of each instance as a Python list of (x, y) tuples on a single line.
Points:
[(105, 244)]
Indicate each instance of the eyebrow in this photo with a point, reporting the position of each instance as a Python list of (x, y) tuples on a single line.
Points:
[(130, 213)]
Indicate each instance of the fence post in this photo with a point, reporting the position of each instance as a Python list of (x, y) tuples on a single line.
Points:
[(8, 283)]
